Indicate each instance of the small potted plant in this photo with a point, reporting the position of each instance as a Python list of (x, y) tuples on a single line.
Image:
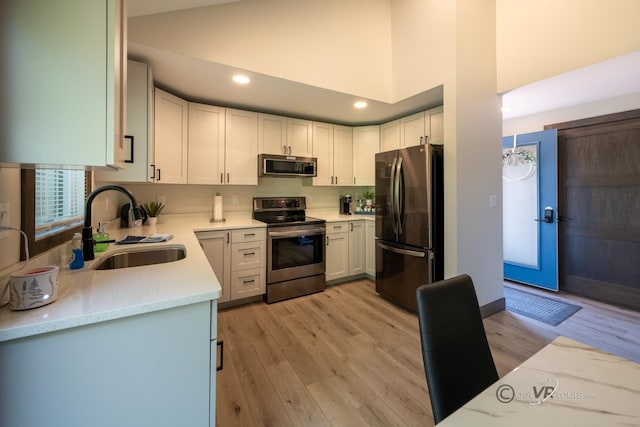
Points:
[(368, 197), (153, 209)]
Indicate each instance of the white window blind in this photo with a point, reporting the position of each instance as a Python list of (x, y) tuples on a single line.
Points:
[(59, 200)]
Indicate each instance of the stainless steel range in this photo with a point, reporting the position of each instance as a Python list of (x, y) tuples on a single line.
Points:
[(295, 247)]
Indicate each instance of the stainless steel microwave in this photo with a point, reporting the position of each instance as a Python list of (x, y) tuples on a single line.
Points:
[(277, 165)]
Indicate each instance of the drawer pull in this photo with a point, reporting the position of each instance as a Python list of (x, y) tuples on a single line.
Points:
[(221, 345), (249, 253), (246, 282), (250, 235)]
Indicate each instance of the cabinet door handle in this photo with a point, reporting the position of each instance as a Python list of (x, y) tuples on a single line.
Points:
[(153, 168), (351, 226), (289, 152), (158, 174), (336, 180), (221, 345), (331, 179), (221, 178), (227, 237), (327, 240), (354, 180), (228, 179)]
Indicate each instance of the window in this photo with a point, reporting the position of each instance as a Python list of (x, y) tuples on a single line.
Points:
[(52, 206), (59, 200)]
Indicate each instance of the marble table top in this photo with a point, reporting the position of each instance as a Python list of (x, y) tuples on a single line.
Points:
[(565, 383)]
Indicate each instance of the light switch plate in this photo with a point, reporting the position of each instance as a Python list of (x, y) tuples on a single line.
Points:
[(4, 219)]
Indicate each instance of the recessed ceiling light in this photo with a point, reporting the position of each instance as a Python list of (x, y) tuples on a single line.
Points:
[(241, 79), (360, 104)]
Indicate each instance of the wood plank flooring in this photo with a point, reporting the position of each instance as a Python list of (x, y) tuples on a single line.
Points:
[(346, 357)]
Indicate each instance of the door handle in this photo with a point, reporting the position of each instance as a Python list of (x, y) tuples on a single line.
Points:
[(548, 215), (409, 252)]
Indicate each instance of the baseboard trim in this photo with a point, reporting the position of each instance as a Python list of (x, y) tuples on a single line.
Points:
[(492, 308)]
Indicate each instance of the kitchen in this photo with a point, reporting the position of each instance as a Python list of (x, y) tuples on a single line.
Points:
[(466, 202)]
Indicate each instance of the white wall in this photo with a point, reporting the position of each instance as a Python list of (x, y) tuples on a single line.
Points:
[(536, 122), (538, 39), (333, 44)]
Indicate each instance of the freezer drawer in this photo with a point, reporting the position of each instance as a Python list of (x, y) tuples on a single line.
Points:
[(399, 272)]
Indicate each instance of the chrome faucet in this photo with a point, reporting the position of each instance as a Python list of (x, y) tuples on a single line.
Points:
[(87, 230)]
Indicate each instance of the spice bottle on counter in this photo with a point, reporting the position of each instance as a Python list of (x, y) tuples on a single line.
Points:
[(77, 260)]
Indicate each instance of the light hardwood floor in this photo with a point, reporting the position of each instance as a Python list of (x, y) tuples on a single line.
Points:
[(346, 357)]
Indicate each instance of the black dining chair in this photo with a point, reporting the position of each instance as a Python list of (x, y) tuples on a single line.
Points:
[(457, 359)]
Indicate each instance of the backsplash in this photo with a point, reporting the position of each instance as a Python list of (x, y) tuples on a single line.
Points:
[(199, 198)]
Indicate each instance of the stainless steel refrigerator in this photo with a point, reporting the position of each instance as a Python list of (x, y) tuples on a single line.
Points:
[(409, 203)]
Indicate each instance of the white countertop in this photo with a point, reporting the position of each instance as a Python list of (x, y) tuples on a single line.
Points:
[(565, 383), (88, 296)]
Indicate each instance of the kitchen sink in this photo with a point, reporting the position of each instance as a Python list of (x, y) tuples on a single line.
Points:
[(138, 257)]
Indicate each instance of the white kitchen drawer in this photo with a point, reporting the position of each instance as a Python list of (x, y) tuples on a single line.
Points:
[(248, 255), (337, 227), (248, 235), (247, 283)]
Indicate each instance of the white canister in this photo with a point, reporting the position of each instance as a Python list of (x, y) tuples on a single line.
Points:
[(33, 288)]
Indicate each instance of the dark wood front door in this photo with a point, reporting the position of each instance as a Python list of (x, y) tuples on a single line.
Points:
[(599, 208)]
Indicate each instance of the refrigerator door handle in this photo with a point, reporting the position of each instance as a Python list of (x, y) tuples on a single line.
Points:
[(392, 196), (419, 254), (398, 194)]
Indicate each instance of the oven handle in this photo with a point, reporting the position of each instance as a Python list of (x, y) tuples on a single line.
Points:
[(295, 233)]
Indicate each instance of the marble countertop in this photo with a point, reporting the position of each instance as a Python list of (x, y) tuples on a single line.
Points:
[(565, 383), (89, 296)]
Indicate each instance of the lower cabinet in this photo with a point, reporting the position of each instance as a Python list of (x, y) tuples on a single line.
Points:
[(370, 248), (238, 259), (217, 247), (345, 255), (151, 369), (248, 262), (337, 250)]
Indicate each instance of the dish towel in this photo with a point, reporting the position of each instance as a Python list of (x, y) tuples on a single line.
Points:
[(154, 238)]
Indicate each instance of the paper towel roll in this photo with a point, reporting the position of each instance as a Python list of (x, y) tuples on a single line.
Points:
[(217, 207)]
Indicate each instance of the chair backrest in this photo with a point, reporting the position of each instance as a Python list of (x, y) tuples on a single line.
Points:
[(457, 359)]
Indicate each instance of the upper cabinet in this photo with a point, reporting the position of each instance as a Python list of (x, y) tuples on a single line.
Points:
[(366, 143), (63, 82), (138, 140), (420, 128), (170, 135), (272, 134), (390, 136), (241, 147), (333, 148), (299, 138), (206, 144)]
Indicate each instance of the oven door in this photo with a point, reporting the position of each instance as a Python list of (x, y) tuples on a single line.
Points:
[(294, 252)]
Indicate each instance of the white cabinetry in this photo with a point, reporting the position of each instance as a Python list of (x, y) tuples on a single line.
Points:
[(206, 144), (63, 82), (299, 138), (420, 128), (272, 134), (170, 138), (152, 369), (238, 259), (356, 248), (337, 250), (217, 247), (345, 249), (223, 145), (370, 247), (139, 150), (248, 262), (366, 143), (333, 147), (241, 148), (390, 136)]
